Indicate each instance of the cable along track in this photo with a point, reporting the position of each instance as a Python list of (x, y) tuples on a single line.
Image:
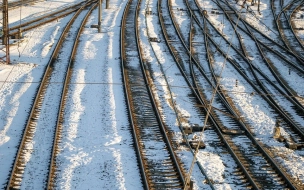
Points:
[(159, 166), (273, 79), (289, 64), (259, 178), (46, 113), (288, 107), (215, 123), (235, 65), (272, 45), (293, 113), (168, 69)]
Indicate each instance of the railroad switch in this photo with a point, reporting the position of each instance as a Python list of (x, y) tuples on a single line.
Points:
[(195, 143), (189, 186), (197, 128), (277, 132), (187, 130), (233, 132), (154, 39), (149, 11), (294, 146)]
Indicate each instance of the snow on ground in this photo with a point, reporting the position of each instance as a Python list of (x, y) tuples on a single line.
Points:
[(298, 21), (258, 114), (40, 148), (29, 11), (112, 141), (18, 87), (97, 148), (168, 83)]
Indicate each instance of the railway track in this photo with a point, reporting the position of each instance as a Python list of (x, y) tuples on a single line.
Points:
[(16, 29), (164, 172), (273, 45), (52, 91), (168, 101), (287, 126), (159, 166), (295, 109), (248, 182), (16, 4), (292, 17), (267, 157), (284, 26), (273, 76), (290, 64), (276, 46)]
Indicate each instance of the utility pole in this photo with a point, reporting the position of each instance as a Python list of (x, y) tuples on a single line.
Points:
[(98, 25), (107, 4), (99, 16), (5, 31)]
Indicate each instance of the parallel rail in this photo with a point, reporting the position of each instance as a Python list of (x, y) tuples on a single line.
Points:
[(265, 155), (19, 166), (215, 123), (57, 137), (15, 4), (162, 171), (285, 29), (39, 21), (263, 87)]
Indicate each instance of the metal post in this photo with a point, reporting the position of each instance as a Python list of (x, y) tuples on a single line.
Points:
[(5, 37), (259, 6), (107, 4), (99, 17)]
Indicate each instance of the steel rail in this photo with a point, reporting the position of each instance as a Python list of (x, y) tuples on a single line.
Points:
[(140, 157), (300, 59), (265, 154), (231, 109), (17, 170), (162, 127), (274, 164), (262, 43), (290, 95), (15, 30), (14, 4), (277, 107), (286, 42), (150, 183), (57, 135), (296, 103), (217, 127), (176, 111), (289, 21)]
